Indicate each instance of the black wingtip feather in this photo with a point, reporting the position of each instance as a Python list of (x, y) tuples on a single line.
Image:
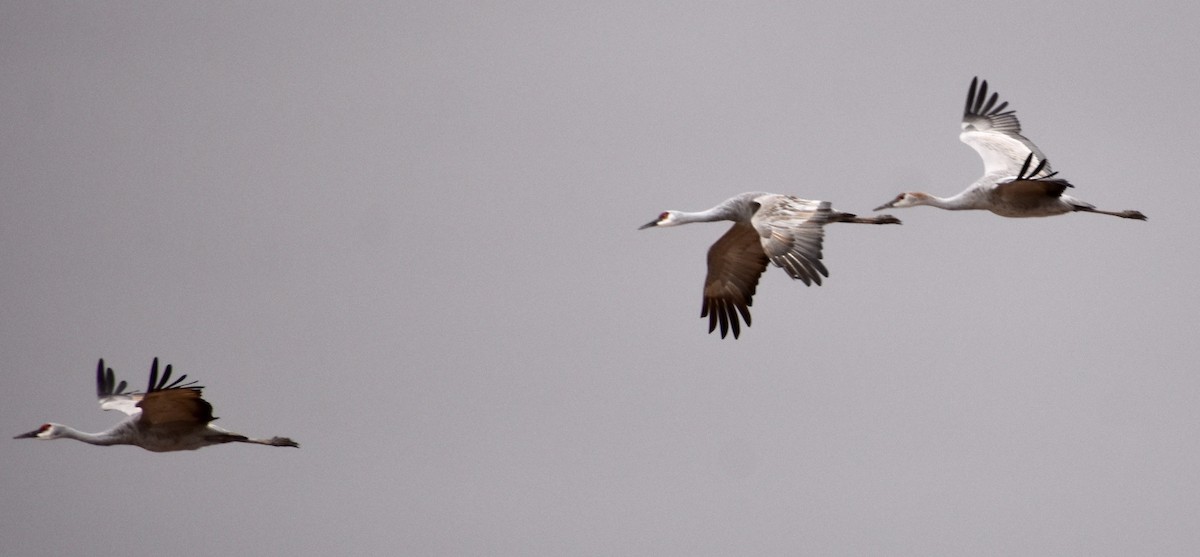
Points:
[(1025, 166), (101, 385), (1040, 166), (970, 96), (106, 381), (979, 103), (165, 377), (745, 311), (723, 317), (1025, 174), (165, 383), (990, 103), (153, 376), (723, 313)]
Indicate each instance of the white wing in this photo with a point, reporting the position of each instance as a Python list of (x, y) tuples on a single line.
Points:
[(996, 134), (124, 403), (112, 395)]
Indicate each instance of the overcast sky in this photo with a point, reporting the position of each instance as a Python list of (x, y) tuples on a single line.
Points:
[(404, 234)]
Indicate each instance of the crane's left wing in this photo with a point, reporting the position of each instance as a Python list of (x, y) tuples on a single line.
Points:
[(173, 403), (735, 262), (113, 395), (791, 231), (1025, 189)]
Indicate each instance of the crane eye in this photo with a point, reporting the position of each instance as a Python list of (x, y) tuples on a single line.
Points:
[(663, 216)]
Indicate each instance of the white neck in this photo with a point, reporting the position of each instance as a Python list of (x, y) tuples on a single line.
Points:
[(962, 201), (736, 208), (717, 213), (110, 437)]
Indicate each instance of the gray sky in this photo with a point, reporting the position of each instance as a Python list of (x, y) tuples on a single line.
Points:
[(405, 235)]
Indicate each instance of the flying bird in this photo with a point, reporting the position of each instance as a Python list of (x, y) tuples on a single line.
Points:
[(169, 416), (1004, 188), (782, 229)]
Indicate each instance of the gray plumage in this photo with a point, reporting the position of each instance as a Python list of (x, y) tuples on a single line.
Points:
[(169, 416), (785, 230), (1016, 179)]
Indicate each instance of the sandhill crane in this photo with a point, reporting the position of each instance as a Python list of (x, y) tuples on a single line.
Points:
[(996, 136), (167, 417), (782, 229)]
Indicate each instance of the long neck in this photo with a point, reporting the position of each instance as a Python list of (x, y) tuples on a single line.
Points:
[(110, 437), (716, 213), (737, 208), (961, 202), (974, 196)]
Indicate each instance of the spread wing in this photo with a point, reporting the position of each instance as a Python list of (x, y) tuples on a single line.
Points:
[(165, 402), (112, 395), (791, 230), (173, 404), (735, 262), (995, 133), (179, 407)]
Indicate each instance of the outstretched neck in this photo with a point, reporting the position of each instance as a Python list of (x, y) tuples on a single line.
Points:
[(109, 437), (709, 215), (960, 202), (736, 209)]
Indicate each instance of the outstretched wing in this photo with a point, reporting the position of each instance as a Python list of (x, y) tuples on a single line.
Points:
[(995, 133), (791, 231), (175, 408), (157, 384), (734, 264), (112, 395), (173, 404)]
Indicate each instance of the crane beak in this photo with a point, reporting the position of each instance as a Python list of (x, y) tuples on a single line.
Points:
[(29, 435), (648, 225), (887, 205)]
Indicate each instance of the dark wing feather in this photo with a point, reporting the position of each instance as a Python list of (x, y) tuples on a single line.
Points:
[(1031, 192), (735, 262), (175, 408), (168, 404), (1025, 174), (106, 382), (989, 116), (157, 384), (1027, 191)]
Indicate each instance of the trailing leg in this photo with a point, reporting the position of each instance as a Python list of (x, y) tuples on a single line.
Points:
[(1123, 214)]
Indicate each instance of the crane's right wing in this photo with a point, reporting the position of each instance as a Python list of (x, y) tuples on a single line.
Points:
[(792, 230), (995, 133), (734, 264), (112, 395)]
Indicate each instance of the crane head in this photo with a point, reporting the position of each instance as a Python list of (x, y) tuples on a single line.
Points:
[(47, 431), (666, 218), (907, 199)]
